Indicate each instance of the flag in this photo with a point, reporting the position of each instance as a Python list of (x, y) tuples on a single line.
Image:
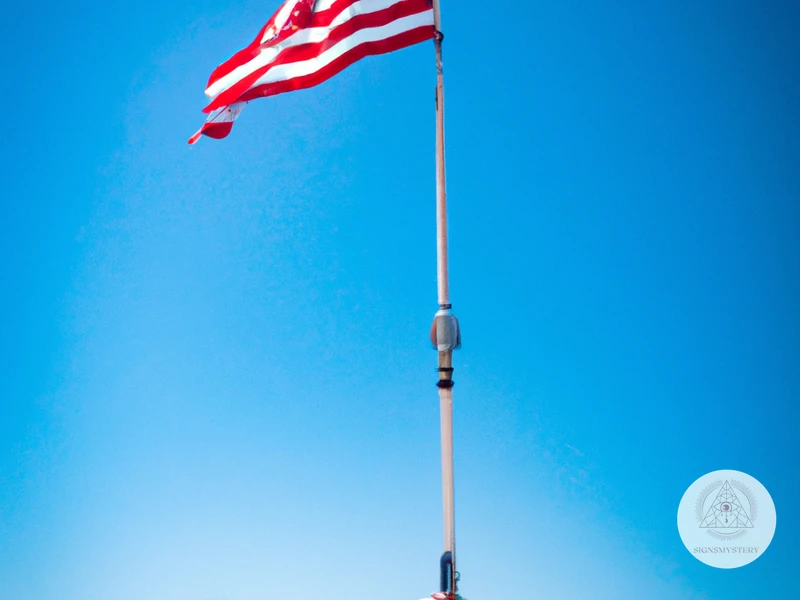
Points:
[(305, 43), (219, 122)]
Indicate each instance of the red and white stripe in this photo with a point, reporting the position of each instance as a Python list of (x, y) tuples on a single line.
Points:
[(307, 42), (219, 123)]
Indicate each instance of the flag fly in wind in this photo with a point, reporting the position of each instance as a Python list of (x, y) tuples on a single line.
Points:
[(306, 42)]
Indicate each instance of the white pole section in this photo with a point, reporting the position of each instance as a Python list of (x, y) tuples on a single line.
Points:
[(441, 192), (448, 501)]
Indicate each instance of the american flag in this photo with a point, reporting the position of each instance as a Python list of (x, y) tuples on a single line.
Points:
[(306, 42)]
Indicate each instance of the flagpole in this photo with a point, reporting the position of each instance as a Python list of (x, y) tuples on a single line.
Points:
[(445, 333)]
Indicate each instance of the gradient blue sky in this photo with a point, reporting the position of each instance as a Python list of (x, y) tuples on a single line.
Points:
[(215, 382)]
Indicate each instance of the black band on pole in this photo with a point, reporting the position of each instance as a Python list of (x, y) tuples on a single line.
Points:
[(445, 567)]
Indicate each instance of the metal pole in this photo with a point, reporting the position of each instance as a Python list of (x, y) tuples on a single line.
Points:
[(441, 193), (445, 334)]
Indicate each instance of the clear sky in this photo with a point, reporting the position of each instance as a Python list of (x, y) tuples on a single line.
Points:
[(215, 379)]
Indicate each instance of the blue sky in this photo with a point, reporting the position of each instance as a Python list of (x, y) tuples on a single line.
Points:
[(216, 382)]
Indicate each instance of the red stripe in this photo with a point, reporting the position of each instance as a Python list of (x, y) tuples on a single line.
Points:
[(320, 19), (401, 40), (217, 130), (213, 130), (308, 51)]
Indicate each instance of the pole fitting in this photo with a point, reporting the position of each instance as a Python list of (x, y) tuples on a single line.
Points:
[(445, 332), (438, 36)]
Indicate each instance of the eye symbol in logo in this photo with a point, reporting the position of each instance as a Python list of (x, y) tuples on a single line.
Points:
[(726, 509)]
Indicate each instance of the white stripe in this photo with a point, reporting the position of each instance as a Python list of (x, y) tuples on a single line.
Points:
[(282, 16), (304, 36), (226, 114), (323, 5), (362, 36), (363, 7)]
